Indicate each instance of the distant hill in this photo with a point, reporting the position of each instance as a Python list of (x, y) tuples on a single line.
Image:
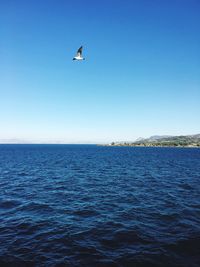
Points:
[(158, 137), (165, 140)]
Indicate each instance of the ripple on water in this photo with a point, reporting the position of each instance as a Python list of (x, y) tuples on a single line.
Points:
[(9, 203)]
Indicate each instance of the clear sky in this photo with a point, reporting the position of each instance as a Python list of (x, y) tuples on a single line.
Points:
[(141, 75)]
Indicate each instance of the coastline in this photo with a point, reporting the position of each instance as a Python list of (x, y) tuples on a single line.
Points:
[(167, 146)]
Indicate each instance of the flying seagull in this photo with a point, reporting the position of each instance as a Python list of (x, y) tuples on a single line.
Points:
[(79, 54)]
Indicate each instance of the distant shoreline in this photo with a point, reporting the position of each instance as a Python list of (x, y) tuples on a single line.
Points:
[(121, 145), (188, 141)]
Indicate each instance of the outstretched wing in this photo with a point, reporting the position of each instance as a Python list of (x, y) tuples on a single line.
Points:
[(79, 52)]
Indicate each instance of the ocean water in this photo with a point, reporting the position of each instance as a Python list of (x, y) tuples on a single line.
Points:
[(87, 205)]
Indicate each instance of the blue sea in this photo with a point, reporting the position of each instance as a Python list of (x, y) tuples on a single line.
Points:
[(88, 206)]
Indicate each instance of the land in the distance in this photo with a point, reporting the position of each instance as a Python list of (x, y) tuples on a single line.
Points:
[(164, 141)]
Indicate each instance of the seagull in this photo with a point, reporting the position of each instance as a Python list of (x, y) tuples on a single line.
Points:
[(79, 54)]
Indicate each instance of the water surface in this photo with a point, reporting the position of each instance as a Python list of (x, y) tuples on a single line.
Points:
[(86, 205)]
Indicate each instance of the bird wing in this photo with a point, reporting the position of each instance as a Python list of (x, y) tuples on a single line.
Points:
[(79, 52)]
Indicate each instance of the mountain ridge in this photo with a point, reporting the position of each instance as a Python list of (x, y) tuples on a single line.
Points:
[(164, 140)]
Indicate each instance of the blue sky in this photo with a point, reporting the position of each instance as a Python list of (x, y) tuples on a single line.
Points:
[(141, 75)]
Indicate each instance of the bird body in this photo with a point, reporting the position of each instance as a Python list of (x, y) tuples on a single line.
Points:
[(79, 54)]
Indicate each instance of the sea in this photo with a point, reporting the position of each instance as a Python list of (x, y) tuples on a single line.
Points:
[(99, 206)]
